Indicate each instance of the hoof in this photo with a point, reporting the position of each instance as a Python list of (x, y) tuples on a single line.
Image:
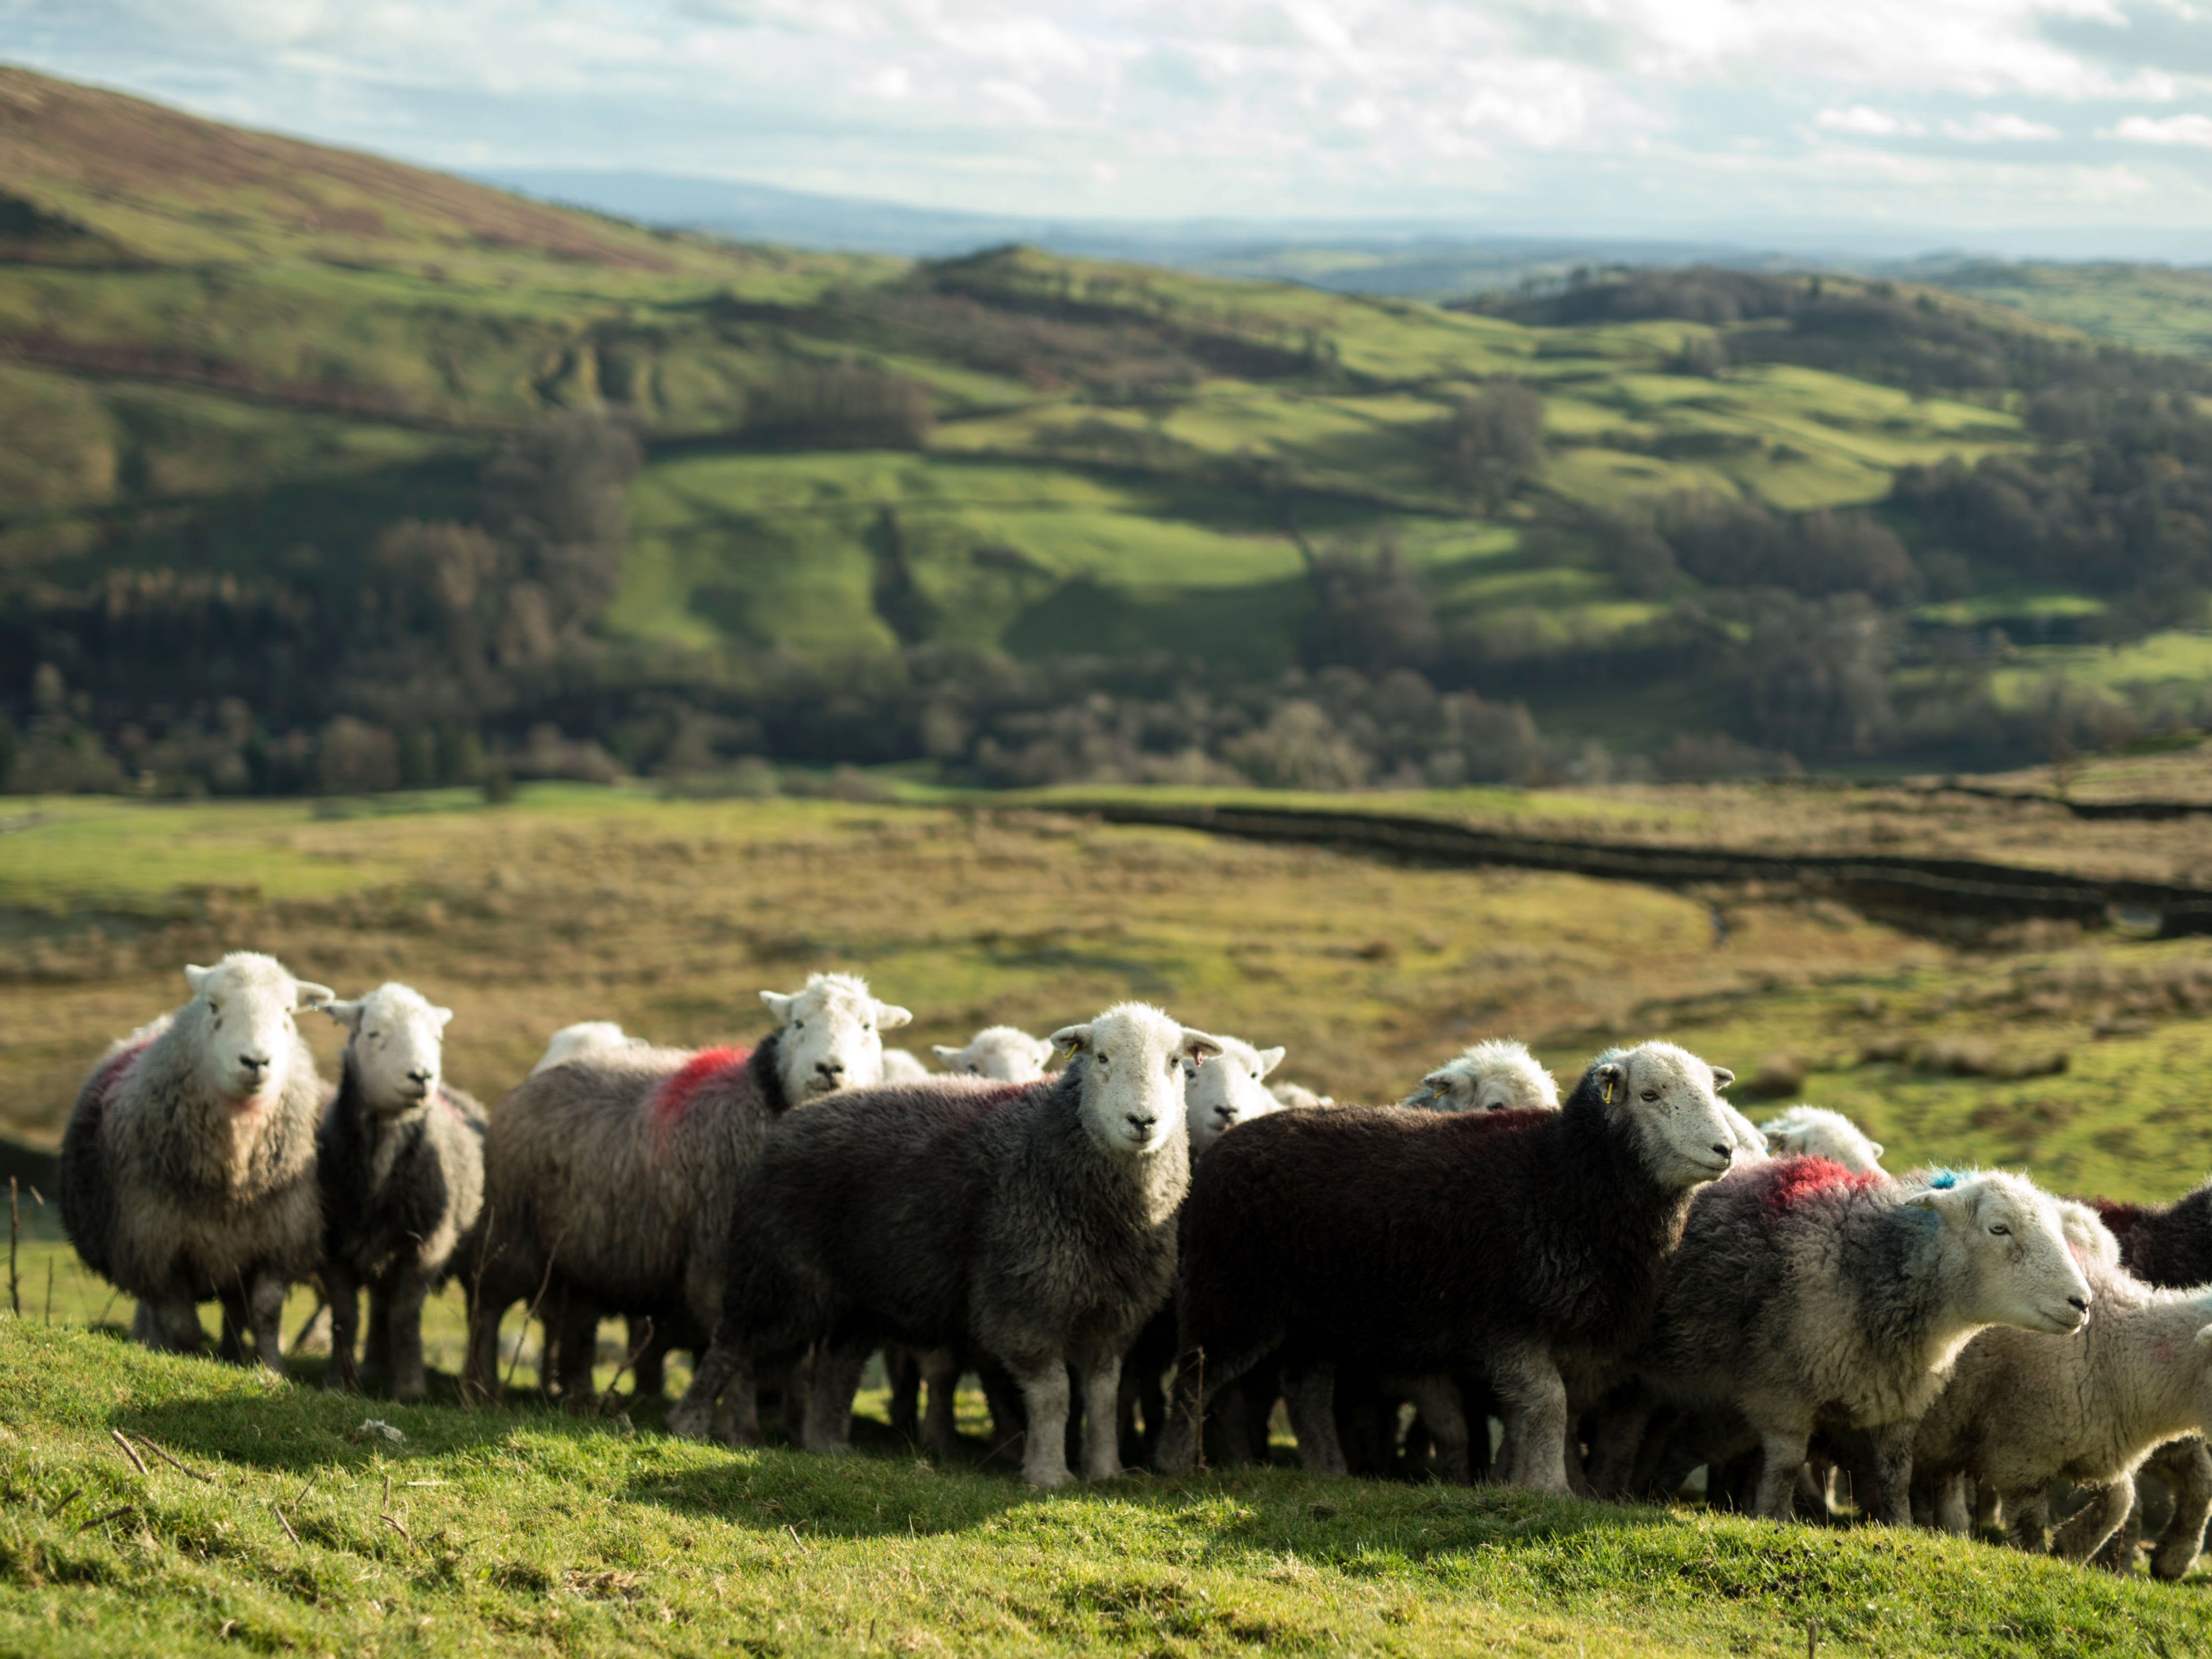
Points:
[(688, 1422), (1050, 1480)]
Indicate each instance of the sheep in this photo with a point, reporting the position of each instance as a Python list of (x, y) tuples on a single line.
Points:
[(573, 1040), (1802, 1293), (608, 1178), (1498, 1075), (1816, 1132), (903, 1066), (1298, 1095), (1035, 1221), (2022, 1410), (188, 1164), (1227, 1090), (1503, 1242), (400, 1159), (1004, 1052)]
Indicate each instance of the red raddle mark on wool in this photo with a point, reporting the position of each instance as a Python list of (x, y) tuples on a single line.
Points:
[(673, 1098), (113, 1070), (1795, 1180)]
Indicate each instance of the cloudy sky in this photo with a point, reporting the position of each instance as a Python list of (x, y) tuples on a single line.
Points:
[(2089, 121)]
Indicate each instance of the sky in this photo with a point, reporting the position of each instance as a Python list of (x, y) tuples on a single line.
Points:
[(1959, 121)]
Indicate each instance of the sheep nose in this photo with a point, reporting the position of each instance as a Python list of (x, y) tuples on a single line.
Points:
[(420, 1074), (1142, 1122), (1226, 1113), (830, 1067), (253, 1062), (1724, 1149), (2079, 1303)]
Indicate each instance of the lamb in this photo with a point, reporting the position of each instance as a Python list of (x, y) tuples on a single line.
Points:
[(573, 1040), (400, 1159), (1816, 1132), (1504, 1242), (1804, 1294), (188, 1164), (1498, 1075), (608, 1178), (1035, 1221), (2022, 1410), (1004, 1052), (1227, 1090)]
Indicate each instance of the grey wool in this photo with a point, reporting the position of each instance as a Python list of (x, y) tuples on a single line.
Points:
[(400, 1156), (188, 1164), (1803, 1296), (1035, 1223)]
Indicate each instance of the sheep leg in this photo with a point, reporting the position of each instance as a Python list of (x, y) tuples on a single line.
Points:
[(828, 1426), (1892, 1473), (902, 1371), (231, 1348), (1310, 1391), (648, 1370), (2027, 1518), (1444, 1414), (723, 1368), (940, 1427), (579, 1343), (1234, 1422), (1101, 1428), (172, 1324), (402, 1325), (1954, 1514), (344, 1298), (1782, 1454), (2084, 1532), (376, 1351), (1044, 1383), (1533, 1398), (1619, 1435), (2187, 1465), (1200, 1376)]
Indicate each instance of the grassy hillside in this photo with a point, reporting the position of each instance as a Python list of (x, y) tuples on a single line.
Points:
[(2156, 308)]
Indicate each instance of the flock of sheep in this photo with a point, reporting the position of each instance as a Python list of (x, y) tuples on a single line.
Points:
[(1635, 1282)]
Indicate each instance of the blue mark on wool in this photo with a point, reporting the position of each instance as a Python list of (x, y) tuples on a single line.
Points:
[(1943, 1181)]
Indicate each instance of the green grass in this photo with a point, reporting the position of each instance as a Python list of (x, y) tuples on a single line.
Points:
[(528, 1532), (2154, 308)]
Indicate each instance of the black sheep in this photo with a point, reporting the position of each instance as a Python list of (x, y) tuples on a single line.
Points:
[(1497, 1243)]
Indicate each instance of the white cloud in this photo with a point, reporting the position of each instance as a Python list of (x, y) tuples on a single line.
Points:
[(1989, 127), (2167, 130), (1862, 121)]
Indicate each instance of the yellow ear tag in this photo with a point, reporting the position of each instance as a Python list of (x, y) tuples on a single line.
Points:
[(1609, 1091)]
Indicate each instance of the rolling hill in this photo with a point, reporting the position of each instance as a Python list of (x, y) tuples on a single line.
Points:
[(232, 358)]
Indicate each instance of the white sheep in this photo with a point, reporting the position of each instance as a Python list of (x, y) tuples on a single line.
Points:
[(1816, 1132), (583, 1038), (2023, 1410), (1496, 1075), (1224, 1091), (1002, 1052)]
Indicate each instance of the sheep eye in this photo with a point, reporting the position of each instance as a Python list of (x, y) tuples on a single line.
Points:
[(2002, 1231), (1650, 1094)]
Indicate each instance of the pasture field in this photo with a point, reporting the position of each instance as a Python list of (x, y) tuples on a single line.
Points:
[(528, 1531)]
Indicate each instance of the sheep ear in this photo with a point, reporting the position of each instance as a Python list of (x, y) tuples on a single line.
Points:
[(443, 1016), (312, 995), (779, 1004), (1270, 1059), (1072, 1040), (890, 1016), (948, 1055), (195, 977), (1876, 1145), (1043, 1049), (1197, 1046), (1612, 1079), (1721, 1078), (347, 1014)]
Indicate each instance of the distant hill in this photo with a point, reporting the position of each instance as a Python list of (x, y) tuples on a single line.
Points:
[(300, 437)]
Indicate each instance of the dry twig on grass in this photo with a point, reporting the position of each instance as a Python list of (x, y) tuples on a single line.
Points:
[(130, 1451)]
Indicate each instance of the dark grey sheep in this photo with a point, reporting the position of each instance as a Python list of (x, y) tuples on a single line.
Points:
[(1504, 1243), (1035, 1222), (188, 1165), (608, 1176), (400, 1157)]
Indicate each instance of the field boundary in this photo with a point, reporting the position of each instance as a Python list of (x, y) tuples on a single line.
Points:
[(1896, 888)]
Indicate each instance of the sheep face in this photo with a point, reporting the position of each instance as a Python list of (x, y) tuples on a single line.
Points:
[(2017, 1269), (1816, 1132), (1132, 1072), (397, 1049), (1227, 1090), (580, 1039), (246, 1041), (831, 1035), (999, 1052), (1669, 1101), (1497, 1076)]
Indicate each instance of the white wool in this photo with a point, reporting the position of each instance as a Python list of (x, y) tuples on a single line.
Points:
[(582, 1038), (1002, 1052), (1816, 1132), (1299, 1096), (1493, 1076)]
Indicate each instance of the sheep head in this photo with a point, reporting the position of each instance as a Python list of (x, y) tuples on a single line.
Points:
[(1668, 1102), (1225, 1091), (396, 1047), (247, 1041), (1816, 1132), (2012, 1265), (829, 1035), (1496, 1076), (1000, 1052), (1132, 1074)]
